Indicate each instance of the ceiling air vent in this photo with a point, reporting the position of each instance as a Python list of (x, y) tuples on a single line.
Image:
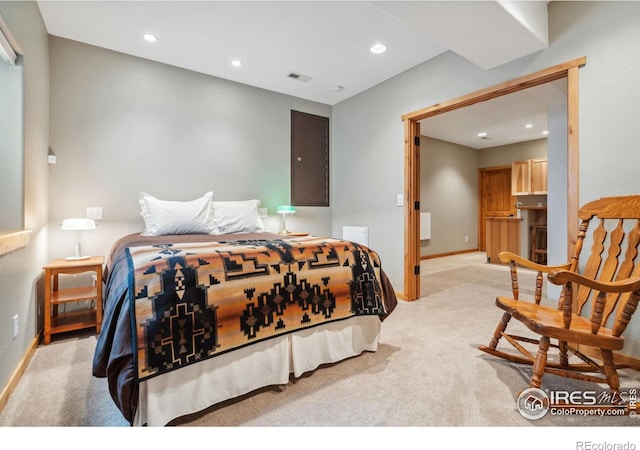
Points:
[(299, 77)]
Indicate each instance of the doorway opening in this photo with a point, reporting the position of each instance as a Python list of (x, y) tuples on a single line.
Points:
[(568, 70)]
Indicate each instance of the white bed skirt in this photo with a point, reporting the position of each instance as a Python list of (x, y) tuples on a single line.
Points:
[(198, 386)]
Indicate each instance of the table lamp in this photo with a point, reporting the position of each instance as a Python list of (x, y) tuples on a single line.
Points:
[(78, 225), (284, 210)]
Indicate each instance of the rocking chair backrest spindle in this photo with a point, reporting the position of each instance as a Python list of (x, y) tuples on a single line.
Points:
[(613, 256)]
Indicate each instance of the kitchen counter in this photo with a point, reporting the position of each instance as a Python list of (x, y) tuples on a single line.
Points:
[(503, 218), (503, 234)]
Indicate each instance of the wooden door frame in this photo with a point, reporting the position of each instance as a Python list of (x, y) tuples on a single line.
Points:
[(568, 70)]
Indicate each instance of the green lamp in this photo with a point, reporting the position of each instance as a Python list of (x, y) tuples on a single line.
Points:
[(284, 210)]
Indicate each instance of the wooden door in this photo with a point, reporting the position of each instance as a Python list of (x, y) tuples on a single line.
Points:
[(309, 159), (495, 199)]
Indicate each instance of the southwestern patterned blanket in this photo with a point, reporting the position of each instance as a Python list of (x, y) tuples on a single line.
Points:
[(173, 300), (195, 301)]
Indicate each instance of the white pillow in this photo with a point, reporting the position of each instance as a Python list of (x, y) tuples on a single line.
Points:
[(173, 217), (237, 217)]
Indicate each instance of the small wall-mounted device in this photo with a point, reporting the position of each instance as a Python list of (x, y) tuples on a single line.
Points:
[(94, 212)]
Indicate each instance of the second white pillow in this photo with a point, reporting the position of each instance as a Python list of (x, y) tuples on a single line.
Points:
[(240, 216)]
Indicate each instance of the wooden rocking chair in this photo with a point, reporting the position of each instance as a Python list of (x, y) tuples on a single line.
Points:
[(608, 286)]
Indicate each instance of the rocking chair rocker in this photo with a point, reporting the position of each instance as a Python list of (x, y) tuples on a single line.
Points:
[(608, 286)]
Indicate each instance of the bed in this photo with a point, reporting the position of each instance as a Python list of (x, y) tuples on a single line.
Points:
[(194, 319)]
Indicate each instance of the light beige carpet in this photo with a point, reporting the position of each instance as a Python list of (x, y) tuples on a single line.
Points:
[(426, 373)]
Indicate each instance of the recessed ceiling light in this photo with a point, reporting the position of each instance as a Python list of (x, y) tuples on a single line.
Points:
[(545, 132), (149, 37), (236, 63), (528, 125), (482, 134), (378, 48)]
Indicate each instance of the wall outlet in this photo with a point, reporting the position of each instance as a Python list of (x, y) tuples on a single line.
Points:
[(466, 238), (94, 212), (400, 200), (15, 326)]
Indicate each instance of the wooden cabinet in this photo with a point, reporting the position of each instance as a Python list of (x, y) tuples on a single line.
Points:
[(529, 177), (503, 234), (520, 177), (539, 176), (54, 297)]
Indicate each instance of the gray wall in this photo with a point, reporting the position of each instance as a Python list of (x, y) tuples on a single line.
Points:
[(449, 191), (504, 155), (121, 125), (368, 132), (21, 290)]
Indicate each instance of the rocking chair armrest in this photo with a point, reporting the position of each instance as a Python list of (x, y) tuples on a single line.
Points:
[(506, 257), (564, 276)]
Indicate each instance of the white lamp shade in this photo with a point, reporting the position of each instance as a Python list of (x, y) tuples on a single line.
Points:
[(78, 224)]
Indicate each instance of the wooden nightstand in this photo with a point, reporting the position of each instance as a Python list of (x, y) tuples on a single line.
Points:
[(55, 322)]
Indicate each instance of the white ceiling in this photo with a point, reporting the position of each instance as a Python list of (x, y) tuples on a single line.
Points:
[(327, 41), (503, 119)]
